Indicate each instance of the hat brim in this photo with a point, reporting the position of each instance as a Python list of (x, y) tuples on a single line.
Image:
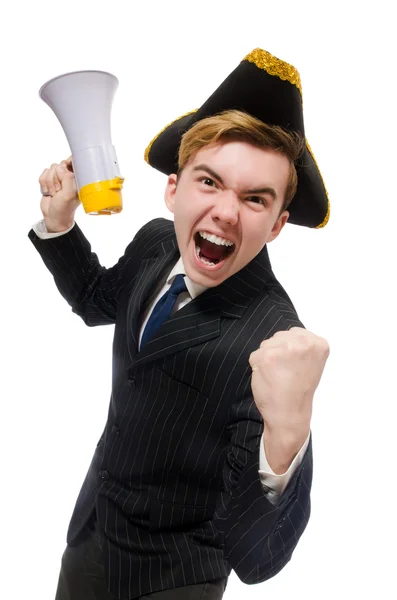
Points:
[(162, 154)]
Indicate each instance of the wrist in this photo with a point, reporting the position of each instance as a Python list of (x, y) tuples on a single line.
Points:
[(281, 447), (57, 227)]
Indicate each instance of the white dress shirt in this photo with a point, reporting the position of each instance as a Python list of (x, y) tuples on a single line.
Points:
[(273, 484)]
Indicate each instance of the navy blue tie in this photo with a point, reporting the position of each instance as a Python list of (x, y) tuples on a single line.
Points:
[(163, 308)]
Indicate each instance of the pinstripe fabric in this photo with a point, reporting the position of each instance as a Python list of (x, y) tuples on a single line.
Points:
[(174, 478)]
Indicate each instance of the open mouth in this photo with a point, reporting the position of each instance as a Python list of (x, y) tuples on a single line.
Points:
[(212, 250)]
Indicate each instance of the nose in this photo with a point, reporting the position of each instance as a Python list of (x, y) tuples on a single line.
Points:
[(226, 208)]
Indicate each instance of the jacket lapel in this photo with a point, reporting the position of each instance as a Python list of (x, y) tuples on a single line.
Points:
[(195, 323), (151, 272), (198, 321)]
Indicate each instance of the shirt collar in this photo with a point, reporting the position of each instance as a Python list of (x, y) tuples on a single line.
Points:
[(193, 288)]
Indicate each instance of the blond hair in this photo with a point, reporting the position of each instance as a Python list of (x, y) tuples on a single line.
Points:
[(235, 125)]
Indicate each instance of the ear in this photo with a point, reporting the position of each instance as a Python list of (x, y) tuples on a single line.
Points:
[(170, 191), (278, 226)]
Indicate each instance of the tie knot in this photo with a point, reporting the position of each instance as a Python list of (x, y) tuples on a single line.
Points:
[(178, 285)]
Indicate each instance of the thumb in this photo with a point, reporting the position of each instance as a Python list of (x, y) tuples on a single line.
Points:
[(68, 163)]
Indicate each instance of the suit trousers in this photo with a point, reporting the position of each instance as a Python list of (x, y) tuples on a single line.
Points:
[(82, 576)]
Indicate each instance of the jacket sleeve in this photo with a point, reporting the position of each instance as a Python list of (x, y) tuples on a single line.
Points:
[(259, 537), (91, 290)]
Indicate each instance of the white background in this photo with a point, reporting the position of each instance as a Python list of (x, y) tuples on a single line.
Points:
[(169, 57)]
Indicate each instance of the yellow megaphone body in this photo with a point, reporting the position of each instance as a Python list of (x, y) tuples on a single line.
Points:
[(82, 102)]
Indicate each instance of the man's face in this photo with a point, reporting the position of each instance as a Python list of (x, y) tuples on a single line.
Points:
[(227, 193)]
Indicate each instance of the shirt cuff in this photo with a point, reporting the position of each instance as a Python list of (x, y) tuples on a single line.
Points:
[(41, 231), (273, 484)]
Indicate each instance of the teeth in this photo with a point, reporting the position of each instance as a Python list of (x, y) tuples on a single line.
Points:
[(215, 239), (206, 262), (202, 259)]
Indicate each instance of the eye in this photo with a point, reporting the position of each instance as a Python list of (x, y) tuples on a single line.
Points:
[(257, 200), (207, 181)]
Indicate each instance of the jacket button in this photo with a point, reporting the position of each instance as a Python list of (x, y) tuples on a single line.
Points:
[(104, 475), (116, 430), (131, 384)]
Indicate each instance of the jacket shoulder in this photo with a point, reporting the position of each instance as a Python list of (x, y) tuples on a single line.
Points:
[(284, 307), (151, 236)]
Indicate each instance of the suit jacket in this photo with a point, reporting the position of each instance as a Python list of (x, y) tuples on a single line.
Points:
[(174, 478)]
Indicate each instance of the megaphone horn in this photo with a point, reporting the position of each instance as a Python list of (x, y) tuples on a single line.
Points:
[(82, 102)]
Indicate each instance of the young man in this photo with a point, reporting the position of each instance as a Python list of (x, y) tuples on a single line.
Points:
[(205, 463)]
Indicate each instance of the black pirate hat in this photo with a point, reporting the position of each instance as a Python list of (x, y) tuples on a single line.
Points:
[(270, 90)]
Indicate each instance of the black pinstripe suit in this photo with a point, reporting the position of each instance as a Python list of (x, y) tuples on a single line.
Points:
[(174, 479)]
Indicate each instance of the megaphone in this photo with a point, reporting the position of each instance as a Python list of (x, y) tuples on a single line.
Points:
[(82, 102)]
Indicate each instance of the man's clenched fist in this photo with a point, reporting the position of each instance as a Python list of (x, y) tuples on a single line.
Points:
[(286, 370)]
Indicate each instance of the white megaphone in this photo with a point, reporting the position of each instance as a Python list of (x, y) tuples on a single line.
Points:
[(82, 102)]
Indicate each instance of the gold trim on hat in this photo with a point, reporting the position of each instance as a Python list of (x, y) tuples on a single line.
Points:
[(326, 219), (323, 224), (274, 66), (147, 151)]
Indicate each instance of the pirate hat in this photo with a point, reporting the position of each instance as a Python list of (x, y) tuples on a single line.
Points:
[(270, 90)]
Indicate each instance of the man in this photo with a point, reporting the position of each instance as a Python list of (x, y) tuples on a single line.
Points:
[(205, 463)]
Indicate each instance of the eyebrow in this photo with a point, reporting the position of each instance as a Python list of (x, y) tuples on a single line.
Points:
[(260, 190), (206, 168)]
